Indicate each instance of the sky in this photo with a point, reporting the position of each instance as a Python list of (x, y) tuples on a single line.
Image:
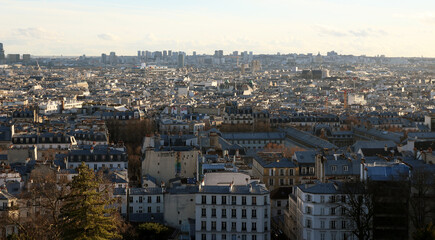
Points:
[(395, 28)]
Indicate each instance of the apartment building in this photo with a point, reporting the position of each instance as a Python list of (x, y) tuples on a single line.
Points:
[(231, 206), (315, 214)]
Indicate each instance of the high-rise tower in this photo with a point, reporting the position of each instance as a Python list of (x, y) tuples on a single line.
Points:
[(180, 60), (2, 52)]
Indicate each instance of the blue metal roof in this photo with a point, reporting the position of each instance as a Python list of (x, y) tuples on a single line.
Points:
[(387, 172)]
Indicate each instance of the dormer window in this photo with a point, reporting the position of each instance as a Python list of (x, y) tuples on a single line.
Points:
[(311, 170)]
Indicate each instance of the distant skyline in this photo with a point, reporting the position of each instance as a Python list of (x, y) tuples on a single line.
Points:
[(72, 28)]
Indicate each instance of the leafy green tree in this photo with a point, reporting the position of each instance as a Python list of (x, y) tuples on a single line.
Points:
[(86, 213)]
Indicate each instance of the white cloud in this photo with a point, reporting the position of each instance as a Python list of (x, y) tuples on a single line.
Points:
[(105, 36), (32, 33)]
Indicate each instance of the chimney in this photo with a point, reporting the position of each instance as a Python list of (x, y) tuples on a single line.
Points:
[(232, 186), (322, 169), (12, 130)]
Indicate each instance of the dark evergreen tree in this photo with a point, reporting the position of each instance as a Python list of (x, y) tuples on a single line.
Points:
[(87, 213)]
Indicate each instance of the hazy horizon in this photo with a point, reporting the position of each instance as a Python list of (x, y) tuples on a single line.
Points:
[(55, 28)]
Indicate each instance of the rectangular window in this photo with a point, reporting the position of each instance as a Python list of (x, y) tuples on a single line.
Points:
[(224, 237), (149, 199), (213, 212), (332, 198), (243, 213), (243, 226), (233, 200), (311, 170), (333, 168), (213, 199), (265, 213), (243, 200), (158, 199), (322, 224), (278, 203), (270, 181), (343, 224), (308, 198), (343, 198), (308, 223), (233, 213), (224, 200), (281, 172), (254, 213), (332, 224), (203, 225), (345, 168), (322, 236), (204, 199), (332, 212), (203, 212), (224, 225), (343, 211), (158, 209), (281, 182), (308, 210), (291, 172), (204, 236), (254, 200), (322, 199), (233, 226), (213, 225), (140, 199), (224, 213), (149, 209), (254, 226)]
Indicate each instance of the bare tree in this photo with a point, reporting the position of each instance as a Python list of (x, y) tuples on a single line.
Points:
[(359, 207), (280, 148), (41, 201), (422, 201)]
